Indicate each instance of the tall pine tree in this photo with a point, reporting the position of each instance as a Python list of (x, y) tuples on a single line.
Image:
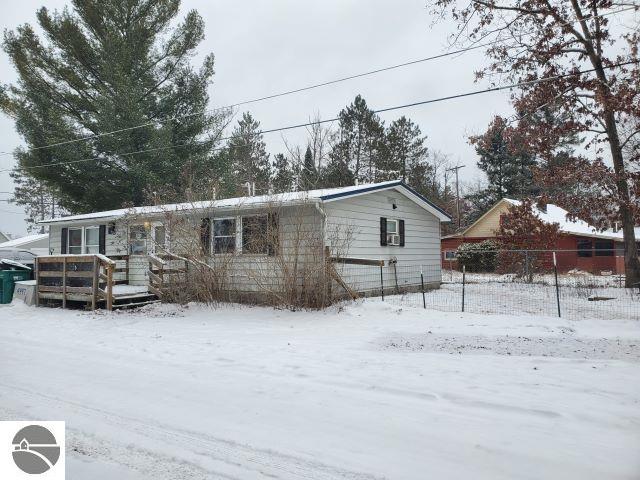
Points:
[(505, 161), (38, 201), (405, 153), (283, 174), (248, 156), (308, 172), (103, 66), (360, 142)]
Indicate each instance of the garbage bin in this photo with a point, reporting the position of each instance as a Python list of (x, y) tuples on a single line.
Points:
[(8, 278)]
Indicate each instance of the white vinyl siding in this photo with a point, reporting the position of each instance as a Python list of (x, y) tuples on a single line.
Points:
[(361, 215)]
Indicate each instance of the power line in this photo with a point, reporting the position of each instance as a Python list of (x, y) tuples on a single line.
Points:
[(307, 124), (306, 88)]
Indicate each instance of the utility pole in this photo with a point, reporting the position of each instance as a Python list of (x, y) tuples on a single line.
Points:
[(456, 168)]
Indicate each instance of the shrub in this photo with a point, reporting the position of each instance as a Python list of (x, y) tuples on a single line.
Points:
[(478, 257)]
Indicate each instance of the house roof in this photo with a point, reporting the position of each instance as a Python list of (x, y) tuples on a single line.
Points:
[(288, 198), (556, 214), (24, 241)]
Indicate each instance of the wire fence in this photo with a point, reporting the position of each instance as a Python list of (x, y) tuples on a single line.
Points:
[(517, 283)]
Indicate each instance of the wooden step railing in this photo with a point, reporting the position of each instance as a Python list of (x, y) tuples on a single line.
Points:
[(92, 274), (161, 270)]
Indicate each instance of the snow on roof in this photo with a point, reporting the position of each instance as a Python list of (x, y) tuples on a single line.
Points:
[(556, 214), (19, 242), (249, 202)]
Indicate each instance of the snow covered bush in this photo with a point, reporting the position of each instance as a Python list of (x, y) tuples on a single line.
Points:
[(478, 257)]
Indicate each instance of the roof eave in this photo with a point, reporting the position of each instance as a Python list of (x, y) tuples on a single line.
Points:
[(399, 186)]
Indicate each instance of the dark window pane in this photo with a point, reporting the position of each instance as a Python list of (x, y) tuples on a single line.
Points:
[(225, 227), (584, 248), (224, 244), (604, 248), (254, 235), (75, 237)]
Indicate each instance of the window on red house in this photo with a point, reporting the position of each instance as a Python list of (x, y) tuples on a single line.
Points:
[(604, 248), (584, 248)]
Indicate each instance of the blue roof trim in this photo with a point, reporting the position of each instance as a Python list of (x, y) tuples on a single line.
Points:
[(373, 188), (360, 190), (424, 199)]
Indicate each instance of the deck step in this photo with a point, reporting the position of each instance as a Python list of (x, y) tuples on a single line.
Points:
[(132, 296), (134, 304), (133, 300)]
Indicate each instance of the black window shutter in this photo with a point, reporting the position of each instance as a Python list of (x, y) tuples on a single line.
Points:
[(205, 235), (102, 237), (401, 228), (273, 234), (63, 240), (383, 231)]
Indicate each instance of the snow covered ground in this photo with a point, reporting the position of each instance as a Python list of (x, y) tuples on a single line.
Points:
[(366, 391)]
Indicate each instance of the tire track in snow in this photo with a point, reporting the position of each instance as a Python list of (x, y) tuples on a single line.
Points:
[(142, 461), (270, 463)]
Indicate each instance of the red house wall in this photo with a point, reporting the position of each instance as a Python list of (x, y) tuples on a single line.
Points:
[(566, 255)]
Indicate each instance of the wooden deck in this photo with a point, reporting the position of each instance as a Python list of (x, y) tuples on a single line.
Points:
[(95, 280)]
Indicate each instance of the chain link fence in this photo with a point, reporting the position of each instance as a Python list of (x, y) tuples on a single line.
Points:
[(517, 283)]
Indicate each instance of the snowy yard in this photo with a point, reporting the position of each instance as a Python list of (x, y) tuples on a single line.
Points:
[(369, 391)]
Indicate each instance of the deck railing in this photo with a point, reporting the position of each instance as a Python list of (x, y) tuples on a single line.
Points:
[(161, 269), (81, 278)]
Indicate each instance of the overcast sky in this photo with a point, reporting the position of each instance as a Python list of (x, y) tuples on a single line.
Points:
[(267, 47)]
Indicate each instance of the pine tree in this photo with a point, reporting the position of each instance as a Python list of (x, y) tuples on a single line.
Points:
[(103, 66), (505, 161), (308, 173), (38, 201), (361, 139), (405, 153), (248, 155), (283, 174)]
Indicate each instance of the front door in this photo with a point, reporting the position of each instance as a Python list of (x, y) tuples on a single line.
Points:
[(138, 249)]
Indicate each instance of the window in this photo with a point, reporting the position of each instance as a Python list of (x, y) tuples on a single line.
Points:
[(584, 248), (224, 235), (159, 238), (450, 255), (254, 235), (393, 232), (74, 244), (604, 248), (138, 240), (92, 240)]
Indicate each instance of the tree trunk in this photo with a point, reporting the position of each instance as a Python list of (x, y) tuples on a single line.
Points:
[(631, 261)]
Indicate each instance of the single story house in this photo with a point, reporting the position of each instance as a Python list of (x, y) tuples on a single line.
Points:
[(579, 247), (37, 244), (386, 221)]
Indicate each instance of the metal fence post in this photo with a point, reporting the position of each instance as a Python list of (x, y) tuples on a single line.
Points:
[(381, 282), (555, 271), (424, 301), (464, 275)]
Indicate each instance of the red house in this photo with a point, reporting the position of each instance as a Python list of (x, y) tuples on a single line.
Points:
[(579, 247)]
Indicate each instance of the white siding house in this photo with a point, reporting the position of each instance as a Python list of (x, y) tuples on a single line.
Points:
[(385, 221)]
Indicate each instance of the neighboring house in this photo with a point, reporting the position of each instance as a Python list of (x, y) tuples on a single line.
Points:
[(37, 244), (384, 221), (579, 246)]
